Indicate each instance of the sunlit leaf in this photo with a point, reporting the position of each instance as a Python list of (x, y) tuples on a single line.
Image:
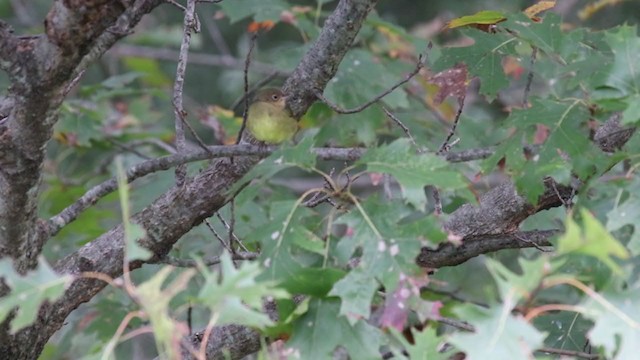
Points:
[(591, 239), (485, 17)]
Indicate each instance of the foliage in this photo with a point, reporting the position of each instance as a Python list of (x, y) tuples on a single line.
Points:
[(353, 258)]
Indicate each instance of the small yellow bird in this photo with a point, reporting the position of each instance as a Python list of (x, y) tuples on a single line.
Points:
[(268, 120)]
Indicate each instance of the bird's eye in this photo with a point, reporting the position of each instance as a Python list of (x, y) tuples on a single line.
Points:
[(275, 97)]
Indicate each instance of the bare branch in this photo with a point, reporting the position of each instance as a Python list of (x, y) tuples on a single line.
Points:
[(168, 260), (188, 26), (247, 63), (194, 58), (339, 110)]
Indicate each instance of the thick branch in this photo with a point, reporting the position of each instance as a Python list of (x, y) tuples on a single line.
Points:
[(501, 210), (448, 254), (42, 67)]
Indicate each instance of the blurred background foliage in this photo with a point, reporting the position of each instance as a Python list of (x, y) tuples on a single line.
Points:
[(122, 107)]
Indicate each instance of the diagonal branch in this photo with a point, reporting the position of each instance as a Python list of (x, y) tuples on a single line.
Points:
[(501, 210)]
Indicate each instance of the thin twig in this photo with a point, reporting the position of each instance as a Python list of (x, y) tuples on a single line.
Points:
[(339, 110), (232, 224), (199, 141), (128, 148), (195, 58), (215, 233), (523, 239), (247, 63), (402, 126), (216, 36), (445, 147), (527, 88), (453, 296), (228, 227), (214, 260), (181, 144), (456, 324), (578, 354)]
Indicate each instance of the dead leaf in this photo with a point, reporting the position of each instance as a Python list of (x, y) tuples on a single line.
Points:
[(451, 82)]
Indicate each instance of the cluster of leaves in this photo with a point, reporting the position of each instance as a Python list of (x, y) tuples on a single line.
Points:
[(353, 259)]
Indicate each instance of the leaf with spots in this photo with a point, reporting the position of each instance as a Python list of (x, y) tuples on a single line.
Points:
[(451, 82), (483, 59)]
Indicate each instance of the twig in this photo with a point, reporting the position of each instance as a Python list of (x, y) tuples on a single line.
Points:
[(321, 196), (226, 61), (453, 296), (517, 236), (231, 234), (437, 202), (402, 126), (445, 147), (527, 88), (455, 323), (247, 62), (215, 233), (386, 186), (91, 197), (239, 255), (339, 110), (128, 148), (181, 116), (232, 224), (579, 354), (216, 35), (566, 205), (181, 144)]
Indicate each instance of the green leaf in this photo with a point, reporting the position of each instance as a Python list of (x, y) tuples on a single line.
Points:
[(235, 295), (283, 158), (427, 345), (517, 287), (317, 333), (483, 59), (567, 135), (260, 10), (485, 17), (624, 214), (631, 114), (28, 292), (545, 34), (498, 334), (413, 171), (593, 240), (155, 302), (356, 292), (616, 313), (374, 228), (625, 72)]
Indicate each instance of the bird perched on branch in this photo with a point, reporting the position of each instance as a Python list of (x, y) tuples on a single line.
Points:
[(268, 120)]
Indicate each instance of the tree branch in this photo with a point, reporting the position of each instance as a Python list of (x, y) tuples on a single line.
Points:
[(174, 213), (500, 211)]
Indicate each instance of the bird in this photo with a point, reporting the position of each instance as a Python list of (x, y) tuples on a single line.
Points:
[(268, 120)]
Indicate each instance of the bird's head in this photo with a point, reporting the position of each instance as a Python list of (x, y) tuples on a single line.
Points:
[(272, 96)]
